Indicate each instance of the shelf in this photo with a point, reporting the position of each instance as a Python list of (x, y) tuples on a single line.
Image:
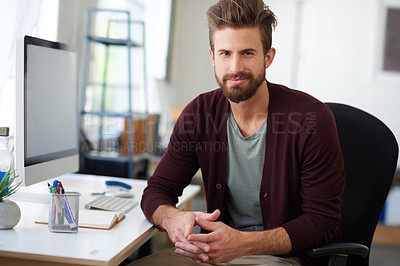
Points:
[(115, 157), (387, 235), (118, 166), (100, 161), (113, 41), (115, 114)]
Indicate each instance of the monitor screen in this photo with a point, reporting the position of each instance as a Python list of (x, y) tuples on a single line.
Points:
[(46, 130)]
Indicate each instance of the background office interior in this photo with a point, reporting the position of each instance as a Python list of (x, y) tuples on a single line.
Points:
[(332, 49)]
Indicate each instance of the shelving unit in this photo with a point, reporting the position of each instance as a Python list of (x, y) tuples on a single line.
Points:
[(97, 160)]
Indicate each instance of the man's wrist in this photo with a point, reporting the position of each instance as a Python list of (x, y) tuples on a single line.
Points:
[(247, 244), (269, 242), (162, 215)]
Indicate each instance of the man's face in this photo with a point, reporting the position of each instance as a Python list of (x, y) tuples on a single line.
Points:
[(239, 62)]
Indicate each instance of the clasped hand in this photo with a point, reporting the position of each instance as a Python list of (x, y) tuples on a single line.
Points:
[(222, 244)]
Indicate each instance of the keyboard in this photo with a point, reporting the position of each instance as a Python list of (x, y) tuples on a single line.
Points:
[(112, 204)]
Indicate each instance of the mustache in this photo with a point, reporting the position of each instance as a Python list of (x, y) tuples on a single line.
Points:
[(241, 75)]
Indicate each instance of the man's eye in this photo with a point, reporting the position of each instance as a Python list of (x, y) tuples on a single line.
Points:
[(224, 53), (248, 53)]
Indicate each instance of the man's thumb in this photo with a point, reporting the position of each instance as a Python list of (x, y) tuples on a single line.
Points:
[(211, 217)]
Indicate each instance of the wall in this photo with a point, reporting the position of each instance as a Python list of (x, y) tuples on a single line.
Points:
[(191, 71), (71, 23), (340, 57)]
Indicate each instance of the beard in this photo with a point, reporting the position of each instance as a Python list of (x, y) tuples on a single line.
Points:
[(242, 92)]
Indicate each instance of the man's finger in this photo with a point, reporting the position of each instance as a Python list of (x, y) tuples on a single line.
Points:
[(201, 245), (203, 257), (214, 216), (207, 225), (187, 230), (209, 216), (203, 238), (190, 247)]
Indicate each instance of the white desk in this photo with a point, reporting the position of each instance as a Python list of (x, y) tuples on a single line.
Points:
[(32, 244)]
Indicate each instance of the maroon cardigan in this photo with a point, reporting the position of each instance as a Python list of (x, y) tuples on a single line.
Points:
[(303, 176)]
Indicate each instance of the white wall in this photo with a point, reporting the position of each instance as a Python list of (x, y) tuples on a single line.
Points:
[(71, 23), (191, 71), (340, 53)]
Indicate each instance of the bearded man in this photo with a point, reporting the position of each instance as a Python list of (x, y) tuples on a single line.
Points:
[(270, 158)]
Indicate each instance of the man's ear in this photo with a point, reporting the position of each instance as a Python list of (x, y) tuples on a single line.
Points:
[(211, 56), (269, 57)]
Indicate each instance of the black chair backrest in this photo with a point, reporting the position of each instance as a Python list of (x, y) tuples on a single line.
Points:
[(370, 154)]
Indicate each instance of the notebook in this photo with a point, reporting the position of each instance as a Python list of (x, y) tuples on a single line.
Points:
[(94, 219)]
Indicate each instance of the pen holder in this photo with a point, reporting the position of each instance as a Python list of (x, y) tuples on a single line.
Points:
[(64, 212)]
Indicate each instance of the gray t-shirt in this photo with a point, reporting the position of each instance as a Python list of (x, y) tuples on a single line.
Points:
[(244, 168)]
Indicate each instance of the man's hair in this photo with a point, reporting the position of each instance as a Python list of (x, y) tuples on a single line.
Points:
[(239, 14)]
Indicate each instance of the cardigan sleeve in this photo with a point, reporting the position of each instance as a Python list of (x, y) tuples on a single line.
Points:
[(322, 183), (176, 168)]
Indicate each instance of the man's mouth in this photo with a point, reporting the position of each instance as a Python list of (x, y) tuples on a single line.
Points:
[(237, 81)]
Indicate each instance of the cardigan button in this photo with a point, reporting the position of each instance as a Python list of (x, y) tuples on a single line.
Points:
[(265, 194), (218, 186)]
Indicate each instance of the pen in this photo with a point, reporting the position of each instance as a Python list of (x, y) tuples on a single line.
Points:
[(55, 183), (58, 209), (53, 217), (62, 188), (68, 214), (59, 206)]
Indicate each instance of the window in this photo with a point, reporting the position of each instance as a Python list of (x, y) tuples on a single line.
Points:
[(37, 18)]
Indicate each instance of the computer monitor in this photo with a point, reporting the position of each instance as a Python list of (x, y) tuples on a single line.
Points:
[(46, 141)]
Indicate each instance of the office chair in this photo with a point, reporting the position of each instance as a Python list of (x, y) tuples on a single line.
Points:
[(370, 155)]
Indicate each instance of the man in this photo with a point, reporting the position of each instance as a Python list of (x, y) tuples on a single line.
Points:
[(270, 158)]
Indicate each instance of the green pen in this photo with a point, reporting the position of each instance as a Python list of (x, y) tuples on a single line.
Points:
[(58, 207), (52, 189)]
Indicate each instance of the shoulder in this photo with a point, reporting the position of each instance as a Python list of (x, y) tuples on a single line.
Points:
[(298, 112), (208, 110), (209, 101), (284, 99), (210, 107)]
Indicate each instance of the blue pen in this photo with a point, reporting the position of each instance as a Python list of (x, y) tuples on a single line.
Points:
[(68, 211), (68, 214), (55, 182)]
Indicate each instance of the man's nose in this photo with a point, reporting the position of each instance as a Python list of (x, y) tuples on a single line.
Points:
[(236, 64)]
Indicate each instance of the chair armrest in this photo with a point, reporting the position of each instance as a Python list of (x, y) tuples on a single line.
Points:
[(346, 248)]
